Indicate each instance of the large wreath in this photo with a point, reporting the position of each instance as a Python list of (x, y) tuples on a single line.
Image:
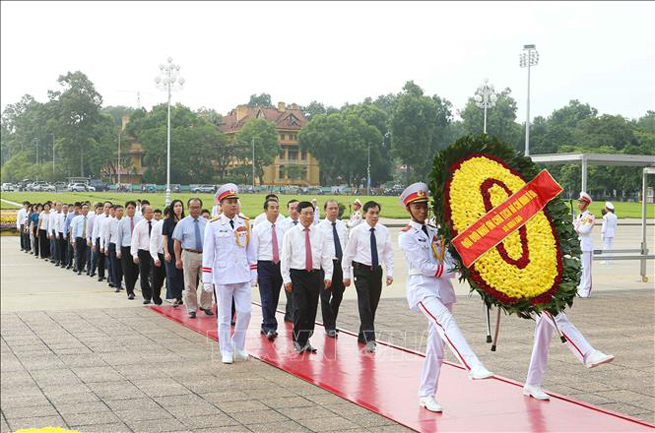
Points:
[(537, 267)]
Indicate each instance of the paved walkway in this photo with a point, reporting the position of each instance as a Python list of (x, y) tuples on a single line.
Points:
[(73, 353)]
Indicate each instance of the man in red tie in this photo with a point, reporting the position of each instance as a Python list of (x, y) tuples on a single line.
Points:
[(267, 241), (306, 265)]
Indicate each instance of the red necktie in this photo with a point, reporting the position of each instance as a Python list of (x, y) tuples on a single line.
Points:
[(276, 249), (308, 252)]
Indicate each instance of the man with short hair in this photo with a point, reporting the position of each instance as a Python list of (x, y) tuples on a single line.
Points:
[(115, 248), (52, 234), (317, 212), (61, 239), (583, 225), (70, 251), (368, 247), (608, 229), (306, 265), (79, 228), (157, 254), (188, 246), (336, 233), (140, 250), (267, 239), (124, 242), (156, 215), (287, 224), (229, 266), (96, 244), (92, 252), (21, 221), (104, 244)]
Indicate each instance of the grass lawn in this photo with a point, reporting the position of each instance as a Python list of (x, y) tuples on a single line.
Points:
[(252, 204)]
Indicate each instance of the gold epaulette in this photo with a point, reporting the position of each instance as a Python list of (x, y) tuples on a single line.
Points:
[(215, 219)]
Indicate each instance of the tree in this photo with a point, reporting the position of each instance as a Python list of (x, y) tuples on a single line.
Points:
[(295, 171), (324, 137), (263, 134), (315, 108), (419, 127), (261, 100)]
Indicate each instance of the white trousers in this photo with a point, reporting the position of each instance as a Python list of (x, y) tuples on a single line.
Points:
[(608, 246), (442, 329), (543, 335), (584, 288), (242, 294)]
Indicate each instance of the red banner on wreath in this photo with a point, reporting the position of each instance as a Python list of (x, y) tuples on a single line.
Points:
[(504, 219)]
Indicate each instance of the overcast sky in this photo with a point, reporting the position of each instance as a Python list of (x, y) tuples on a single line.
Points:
[(601, 53)]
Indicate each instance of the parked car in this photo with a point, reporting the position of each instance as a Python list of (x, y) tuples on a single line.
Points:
[(48, 187), (99, 185), (148, 187), (8, 186), (204, 189), (80, 187), (176, 187)]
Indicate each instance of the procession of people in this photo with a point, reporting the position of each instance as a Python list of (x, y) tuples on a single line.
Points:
[(223, 254)]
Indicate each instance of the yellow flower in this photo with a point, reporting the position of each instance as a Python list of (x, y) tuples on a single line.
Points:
[(467, 206)]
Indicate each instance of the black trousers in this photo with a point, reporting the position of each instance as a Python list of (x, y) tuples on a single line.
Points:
[(61, 248), (145, 269), (100, 259), (306, 289), (81, 253), (269, 279), (288, 309), (130, 270), (23, 243), (116, 266), (35, 247), (174, 279), (70, 252), (331, 298), (368, 283), (158, 276), (44, 244)]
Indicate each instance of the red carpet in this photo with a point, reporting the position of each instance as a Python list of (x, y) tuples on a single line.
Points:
[(387, 383)]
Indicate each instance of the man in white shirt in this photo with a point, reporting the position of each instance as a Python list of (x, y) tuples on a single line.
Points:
[(61, 239), (306, 266), (608, 228), (140, 250), (104, 244), (287, 224), (356, 215), (267, 239), (336, 232), (123, 247), (157, 254), (91, 254), (99, 254), (114, 247), (21, 221), (368, 247), (79, 228), (52, 234)]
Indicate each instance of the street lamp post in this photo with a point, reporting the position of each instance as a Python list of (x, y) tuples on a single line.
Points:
[(166, 81), (118, 162), (368, 170), (485, 97), (529, 57), (253, 163), (36, 146), (53, 156)]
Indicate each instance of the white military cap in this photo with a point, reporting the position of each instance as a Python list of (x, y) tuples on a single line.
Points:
[(229, 190), (609, 205), (415, 193), (585, 197)]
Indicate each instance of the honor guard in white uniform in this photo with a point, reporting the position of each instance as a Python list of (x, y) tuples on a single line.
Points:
[(229, 263), (608, 229), (356, 216), (429, 291), (584, 224)]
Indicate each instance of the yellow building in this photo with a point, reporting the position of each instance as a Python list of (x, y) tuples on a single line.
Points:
[(293, 166)]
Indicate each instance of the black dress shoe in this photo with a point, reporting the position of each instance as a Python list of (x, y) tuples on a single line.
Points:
[(146, 301), (309, 348), (130, 296), (332, 333), (271, 335), (192, 315), (208, 311), (117, 290), (101, 278), (111, 284), (79, 272), (92, 274), (158, 302), (288, 319)]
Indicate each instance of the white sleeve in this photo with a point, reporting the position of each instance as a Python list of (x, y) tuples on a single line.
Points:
[(416, 259), (349, 255), (134, 249), (208, 252), (285, 265)]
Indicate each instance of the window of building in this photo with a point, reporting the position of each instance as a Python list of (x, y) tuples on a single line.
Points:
[(304, 155), (282, 154), (281, 172), (293, 153)]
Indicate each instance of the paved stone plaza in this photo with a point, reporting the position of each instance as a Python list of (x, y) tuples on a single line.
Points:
[(75, 354)]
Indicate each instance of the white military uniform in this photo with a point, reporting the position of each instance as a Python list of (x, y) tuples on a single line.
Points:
[(584, 224), (355, 219), (230, 262), (608, 229), (429, 290)]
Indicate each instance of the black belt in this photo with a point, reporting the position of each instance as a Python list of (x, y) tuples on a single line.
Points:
[(192, 251), (358, 265), (304, 270)]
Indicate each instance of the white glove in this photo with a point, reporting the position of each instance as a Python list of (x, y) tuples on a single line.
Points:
[(208, 287)]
